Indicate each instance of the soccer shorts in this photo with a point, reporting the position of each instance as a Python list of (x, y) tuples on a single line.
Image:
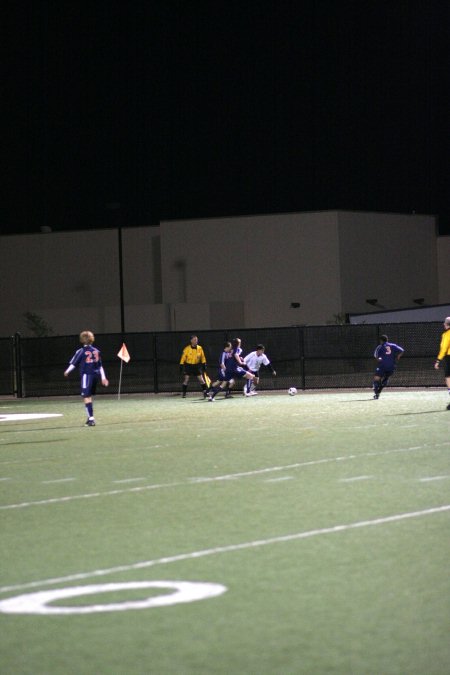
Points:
[(88, 385), (192, 368)]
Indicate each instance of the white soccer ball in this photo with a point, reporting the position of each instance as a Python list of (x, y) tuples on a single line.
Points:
[(292, 391)]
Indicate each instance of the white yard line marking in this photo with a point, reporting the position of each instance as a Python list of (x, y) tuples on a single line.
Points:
[(354, 478), (58, 480), (129, 480), (212, 479), (278, 480), (17, 417), (430, 478), (228, 549)]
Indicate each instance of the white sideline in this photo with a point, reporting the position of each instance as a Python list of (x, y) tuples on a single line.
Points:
[(212, 479), (227, 549)]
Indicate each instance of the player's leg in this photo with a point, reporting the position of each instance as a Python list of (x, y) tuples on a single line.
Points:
[(201, 379), (248, 377), (88, 386), (376, 386), (447, 376)]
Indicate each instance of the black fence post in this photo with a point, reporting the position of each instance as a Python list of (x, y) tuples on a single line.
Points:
[(301, 342), (18, 375), (155, 365)]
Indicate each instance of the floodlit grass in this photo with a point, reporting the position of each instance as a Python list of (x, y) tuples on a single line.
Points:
[(322, 515)]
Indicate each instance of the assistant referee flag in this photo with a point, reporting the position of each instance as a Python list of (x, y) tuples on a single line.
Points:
[(123, 353)]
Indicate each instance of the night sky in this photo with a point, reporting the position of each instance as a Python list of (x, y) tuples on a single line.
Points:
[(128, 113)]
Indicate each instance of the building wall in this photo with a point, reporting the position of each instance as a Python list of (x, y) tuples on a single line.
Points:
[(222, 273), (69, 279), (253, 268), (388, 257), (443, 264)]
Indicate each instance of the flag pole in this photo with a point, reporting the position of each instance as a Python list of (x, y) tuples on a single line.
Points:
[(120, 379), (123, 356)]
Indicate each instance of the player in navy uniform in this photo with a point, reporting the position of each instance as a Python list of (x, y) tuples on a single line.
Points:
[(234, 368), (225, 355), (387, 355), (89, 362)]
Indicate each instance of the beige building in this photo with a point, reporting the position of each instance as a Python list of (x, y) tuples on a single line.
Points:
[(252, 271)]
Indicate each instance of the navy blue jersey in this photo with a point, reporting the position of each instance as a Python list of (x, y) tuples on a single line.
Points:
[(386, 354), (88, 360), (232, 365)]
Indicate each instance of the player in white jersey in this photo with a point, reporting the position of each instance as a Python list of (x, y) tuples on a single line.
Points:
[(254, 361)]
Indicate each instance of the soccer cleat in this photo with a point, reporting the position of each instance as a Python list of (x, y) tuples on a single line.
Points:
[(376, 395), (183, 395), (448, 407), (90, 422), (228, 395)]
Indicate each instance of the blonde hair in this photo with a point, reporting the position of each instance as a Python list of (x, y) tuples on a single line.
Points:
[(87, 337)]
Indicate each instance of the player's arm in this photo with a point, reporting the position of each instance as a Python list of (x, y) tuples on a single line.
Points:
[(183, 359), (444, 349), (105, 381), (202, 358), (74, 362)]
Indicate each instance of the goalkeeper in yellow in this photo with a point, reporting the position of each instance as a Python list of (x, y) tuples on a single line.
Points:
[(193, 362), (444, 354)]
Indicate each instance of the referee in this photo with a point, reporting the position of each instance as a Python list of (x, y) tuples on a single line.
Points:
[(444, 354), (193, 362)]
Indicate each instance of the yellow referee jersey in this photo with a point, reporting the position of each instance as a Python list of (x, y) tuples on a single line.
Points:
[(193, 355), (444, 349)]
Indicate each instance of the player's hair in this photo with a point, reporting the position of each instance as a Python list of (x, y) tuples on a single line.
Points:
[(226, 344), (236, 342), (260, 347), (193, 336), (87, 337), (447, 321), (383, 338)]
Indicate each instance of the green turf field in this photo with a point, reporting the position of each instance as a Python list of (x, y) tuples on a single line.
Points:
[(318, 523)]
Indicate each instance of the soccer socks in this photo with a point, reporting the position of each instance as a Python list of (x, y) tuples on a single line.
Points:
[(184, 390), (89, 409)]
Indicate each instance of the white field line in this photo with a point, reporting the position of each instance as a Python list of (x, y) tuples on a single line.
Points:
[(354, 478), (212, 479), (129, 480), (430, 478), (228, 549), (58, 480), (278, 480)]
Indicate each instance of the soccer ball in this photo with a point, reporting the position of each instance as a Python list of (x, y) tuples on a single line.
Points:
[(292, 391)]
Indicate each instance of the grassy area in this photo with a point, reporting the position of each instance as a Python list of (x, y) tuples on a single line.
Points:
[(324, 515)]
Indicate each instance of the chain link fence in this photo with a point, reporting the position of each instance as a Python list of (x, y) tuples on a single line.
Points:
[(307, 357)]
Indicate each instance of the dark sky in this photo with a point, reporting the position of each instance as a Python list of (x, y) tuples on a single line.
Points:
[(191, 108)]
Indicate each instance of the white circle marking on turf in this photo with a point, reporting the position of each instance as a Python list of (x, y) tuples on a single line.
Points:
[(13, 417), (38, 603)]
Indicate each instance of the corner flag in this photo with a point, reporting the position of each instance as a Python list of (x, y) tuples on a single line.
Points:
[(123, 353)]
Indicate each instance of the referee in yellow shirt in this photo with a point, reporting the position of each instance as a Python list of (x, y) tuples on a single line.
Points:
[(444, 354), (193, 362)]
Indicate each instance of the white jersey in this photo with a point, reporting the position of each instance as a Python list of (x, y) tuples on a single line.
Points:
[(254, 361)]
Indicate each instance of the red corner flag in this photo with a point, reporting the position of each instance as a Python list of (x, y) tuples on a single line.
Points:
[(123, 353)]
